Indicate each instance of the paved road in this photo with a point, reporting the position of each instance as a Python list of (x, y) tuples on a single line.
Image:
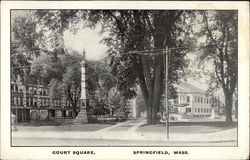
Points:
[(108, 142), (123, 134)]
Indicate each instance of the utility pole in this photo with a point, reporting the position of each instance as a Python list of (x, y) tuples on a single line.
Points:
[(166, 90)]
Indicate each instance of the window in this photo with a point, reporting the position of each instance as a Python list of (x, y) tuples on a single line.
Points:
[(30, 90), (199, 110), (198, 99), (188, 110), (195, 110), (176, 99), (16, 88), (12, 87), (201, 100), (12, 100), (27, 101), (188, 99), (195, 98), (17, 101), (21, 101)]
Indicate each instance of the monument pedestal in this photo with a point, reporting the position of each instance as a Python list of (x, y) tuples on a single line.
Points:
[(82, 116)]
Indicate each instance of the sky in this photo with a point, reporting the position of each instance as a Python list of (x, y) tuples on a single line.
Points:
[(88, 40)]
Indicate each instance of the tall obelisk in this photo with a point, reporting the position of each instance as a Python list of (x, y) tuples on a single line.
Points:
[(82, 115)]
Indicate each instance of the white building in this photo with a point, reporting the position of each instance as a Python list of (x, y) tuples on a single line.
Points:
[(192, 101)]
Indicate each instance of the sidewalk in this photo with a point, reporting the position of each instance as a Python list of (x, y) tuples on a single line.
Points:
[(130, 133)]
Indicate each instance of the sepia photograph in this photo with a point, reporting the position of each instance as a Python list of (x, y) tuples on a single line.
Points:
[(104, 81), (124, 77)]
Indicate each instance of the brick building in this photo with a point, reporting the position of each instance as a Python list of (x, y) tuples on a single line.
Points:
[(32, 101)]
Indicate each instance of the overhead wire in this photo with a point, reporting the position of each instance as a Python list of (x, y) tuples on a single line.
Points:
[(151, 52)]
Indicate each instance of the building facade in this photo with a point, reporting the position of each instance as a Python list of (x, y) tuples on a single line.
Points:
[(32, 102), (194, 102)]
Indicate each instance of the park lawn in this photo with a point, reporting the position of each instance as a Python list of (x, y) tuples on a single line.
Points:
[(66, 128), (186, 127), (124, 127)]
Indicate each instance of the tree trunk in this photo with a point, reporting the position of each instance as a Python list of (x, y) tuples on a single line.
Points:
[(154, 91), (157, 89), (228, 107), (73, 110), (73, 114), (149, 94), (149, 109)]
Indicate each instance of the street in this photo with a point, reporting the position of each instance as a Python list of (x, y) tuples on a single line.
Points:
[(109, 142), (130, 133)]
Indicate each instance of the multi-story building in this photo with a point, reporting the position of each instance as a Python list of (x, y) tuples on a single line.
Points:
[(30, 102), (194, 102)]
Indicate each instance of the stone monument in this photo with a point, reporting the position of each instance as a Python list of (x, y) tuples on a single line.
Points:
[(82, 115)]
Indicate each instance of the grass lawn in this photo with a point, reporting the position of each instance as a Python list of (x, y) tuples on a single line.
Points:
[(187, 127), (125, 126), (76, 128), (59, 126)]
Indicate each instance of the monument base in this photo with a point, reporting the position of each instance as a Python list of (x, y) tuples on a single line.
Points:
[(82, 117)]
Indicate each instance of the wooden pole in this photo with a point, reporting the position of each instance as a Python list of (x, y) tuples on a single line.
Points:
[(166, 92)]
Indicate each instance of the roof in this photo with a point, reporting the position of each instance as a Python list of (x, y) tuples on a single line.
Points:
[(188, 88)]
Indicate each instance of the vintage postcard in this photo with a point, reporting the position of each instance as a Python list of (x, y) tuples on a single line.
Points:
[(124, 80)]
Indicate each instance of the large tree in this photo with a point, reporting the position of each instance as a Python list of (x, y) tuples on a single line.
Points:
[(221, 50), (126, 31), (24, 45), (63, 76), (139, 30), (51, 26)]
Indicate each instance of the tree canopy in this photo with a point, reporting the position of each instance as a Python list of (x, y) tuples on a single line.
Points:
[(136, 41), (221, 50), (140, 30)]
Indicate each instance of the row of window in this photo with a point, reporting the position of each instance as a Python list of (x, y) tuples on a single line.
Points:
[(30, 90), (186, 99), (33, 101), (202, 110), (183, 99), (203, 100), (34, 90), (15, 88), (17, 101)]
